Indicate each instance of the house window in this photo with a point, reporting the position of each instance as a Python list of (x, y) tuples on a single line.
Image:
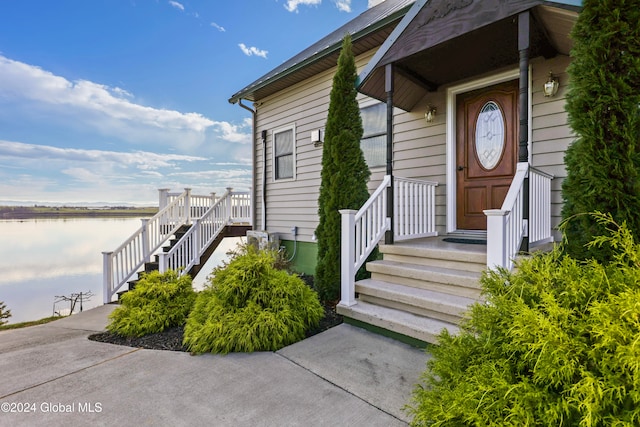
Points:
[(284, 156), (374, 136)]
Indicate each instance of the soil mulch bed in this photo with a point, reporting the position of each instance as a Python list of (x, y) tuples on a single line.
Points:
[(171, 339)]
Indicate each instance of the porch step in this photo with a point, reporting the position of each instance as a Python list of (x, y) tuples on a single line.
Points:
[(436, 305), (450, 281), (456, 256), (401, 322)]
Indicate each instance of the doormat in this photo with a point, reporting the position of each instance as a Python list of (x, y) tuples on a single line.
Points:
[(467, 241)]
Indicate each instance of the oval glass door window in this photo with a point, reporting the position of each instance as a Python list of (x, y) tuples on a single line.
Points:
[(490, 137)]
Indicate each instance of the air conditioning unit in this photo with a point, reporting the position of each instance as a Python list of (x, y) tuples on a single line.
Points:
[(263, 240)]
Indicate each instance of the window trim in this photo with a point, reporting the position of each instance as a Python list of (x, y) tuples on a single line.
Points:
[(282, 129)]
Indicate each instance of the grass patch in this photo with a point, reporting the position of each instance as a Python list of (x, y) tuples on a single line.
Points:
[(30, 323)]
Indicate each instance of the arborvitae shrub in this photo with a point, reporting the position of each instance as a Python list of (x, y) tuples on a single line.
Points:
[(557, 343), (159, 301), (344, 174), (249, 306), (603, 163)]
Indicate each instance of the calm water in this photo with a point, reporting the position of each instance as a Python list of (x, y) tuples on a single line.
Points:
[(41, 259)]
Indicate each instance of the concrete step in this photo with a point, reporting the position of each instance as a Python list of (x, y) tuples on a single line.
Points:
[(401, 322), (436, 305), (463, 259), (438, 279)]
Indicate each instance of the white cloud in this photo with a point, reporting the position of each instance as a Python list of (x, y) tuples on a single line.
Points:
[(250, 51), (176, 5), (53, 174), (292, 5), (112, 111), (218, 27), (343, 5), (140, 159)]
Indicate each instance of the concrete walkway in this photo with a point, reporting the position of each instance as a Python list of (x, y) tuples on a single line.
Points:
[(53, 375)]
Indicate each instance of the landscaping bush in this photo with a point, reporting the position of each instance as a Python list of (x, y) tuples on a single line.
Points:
[(344, 175), (159, 301), (603, 163), (250, 305), (557, 343)]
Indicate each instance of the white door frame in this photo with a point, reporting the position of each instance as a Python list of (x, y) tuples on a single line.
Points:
[(452, 93)]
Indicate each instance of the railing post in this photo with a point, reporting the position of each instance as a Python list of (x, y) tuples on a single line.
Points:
[(107, 277), (496, 238), (162, 262), (163, 196), (196, 242), (146, 253), (229, 205), (187, 206), (213, 199), (347, 261)]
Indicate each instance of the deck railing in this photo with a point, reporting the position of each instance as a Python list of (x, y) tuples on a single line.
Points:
[(175, 210), (506, 227), (362, 230), (231, 207)]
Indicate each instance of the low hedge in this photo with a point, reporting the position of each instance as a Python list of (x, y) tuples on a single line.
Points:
[(557, 343), (250, 305)]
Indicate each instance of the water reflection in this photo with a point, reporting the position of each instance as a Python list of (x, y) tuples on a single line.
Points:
[(43, 258)]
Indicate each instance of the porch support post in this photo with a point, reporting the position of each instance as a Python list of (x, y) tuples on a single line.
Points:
[(347, 258), (388, 86), (523, 148)]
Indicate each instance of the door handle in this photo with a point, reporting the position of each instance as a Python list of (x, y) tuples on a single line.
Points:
[(460, 168)]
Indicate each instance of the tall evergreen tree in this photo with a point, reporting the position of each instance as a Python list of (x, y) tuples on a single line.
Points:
[(603, 163), (344, 174)]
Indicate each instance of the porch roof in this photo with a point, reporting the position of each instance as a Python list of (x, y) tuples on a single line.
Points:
[(368, 31), (442, 41)]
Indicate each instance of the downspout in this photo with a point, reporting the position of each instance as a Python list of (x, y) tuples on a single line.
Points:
[(388, 239), (264, 180), (523, 147), (253, 162)]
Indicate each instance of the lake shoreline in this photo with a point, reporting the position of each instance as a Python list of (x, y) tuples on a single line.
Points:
[(44, 212)]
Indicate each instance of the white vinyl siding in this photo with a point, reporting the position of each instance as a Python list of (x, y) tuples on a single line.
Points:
[(284, 153), (420, 149)]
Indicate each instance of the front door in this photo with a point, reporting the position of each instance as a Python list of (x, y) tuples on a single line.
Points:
[(486, 151)]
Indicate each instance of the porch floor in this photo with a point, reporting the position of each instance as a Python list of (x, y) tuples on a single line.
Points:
[(438, 243)]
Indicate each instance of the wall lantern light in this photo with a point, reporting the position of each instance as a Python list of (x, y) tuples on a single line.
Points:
[(551, 85), (430, 114)]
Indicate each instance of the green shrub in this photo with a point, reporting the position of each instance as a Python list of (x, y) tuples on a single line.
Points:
[(603, 163), (4, 313), (159, 301), (556, 344), (344, 175), (251, 306)]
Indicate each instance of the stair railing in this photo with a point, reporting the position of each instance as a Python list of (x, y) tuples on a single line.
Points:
[(120, 265), (506, 227), (362, 230), (231, 207)]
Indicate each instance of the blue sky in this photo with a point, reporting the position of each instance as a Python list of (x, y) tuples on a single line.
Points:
[(109, 100)]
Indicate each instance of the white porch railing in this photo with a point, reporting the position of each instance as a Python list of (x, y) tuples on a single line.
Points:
[(414, 204), (414, 208), (176, 209), (506, 227), (229, 208)]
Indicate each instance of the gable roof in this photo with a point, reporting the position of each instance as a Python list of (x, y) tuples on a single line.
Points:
[(440, 41), (368, 30)]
